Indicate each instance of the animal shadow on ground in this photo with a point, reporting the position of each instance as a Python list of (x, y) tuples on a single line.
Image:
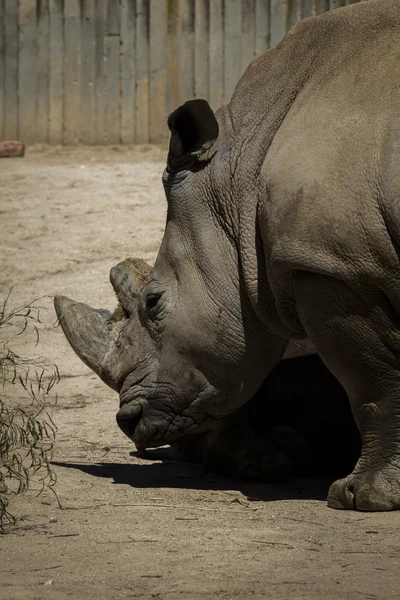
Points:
[(301, 394), (186, 476)]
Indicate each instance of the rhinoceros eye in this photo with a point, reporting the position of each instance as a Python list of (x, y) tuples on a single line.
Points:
[(152, 301)]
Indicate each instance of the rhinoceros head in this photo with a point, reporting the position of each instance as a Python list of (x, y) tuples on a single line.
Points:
[(180, 349)]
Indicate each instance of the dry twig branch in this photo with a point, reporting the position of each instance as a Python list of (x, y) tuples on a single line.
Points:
[(27, 431)]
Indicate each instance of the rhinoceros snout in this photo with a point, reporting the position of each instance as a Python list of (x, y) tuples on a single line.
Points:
[(128, 418)]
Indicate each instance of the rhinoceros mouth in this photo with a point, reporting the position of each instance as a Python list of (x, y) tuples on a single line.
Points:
[(146, 430), (157, 408), (150, 428)]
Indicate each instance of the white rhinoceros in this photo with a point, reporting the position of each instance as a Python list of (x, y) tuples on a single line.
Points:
[(283, 222)]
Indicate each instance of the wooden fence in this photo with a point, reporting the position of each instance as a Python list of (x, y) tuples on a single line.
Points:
[(110, 71)]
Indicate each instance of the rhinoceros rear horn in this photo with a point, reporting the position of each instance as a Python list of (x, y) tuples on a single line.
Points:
[(128, 278), (194, 128)]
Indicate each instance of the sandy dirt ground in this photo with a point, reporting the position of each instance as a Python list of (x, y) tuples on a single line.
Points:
[(130, 528)]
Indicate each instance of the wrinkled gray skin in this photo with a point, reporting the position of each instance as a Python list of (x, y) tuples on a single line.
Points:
[(283, 222)]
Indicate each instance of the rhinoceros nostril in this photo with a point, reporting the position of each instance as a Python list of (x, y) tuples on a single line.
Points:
[(128, 418)]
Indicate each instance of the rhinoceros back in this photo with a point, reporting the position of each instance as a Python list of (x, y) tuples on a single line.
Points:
[(332, 172)]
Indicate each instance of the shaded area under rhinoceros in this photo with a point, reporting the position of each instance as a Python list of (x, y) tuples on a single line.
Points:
[(302, 394), (300, 414)]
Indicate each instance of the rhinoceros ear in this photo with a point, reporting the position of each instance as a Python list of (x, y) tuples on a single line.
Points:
[(194, 128)]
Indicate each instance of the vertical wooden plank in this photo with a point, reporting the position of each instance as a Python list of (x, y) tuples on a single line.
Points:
[(100, 73), (308, 9), (114, 17), (278, 20), (216, 77), (294, 11), (173, 82), (113, 80), (42, 73), (72, 71), (11, 70), (56, 72), (27, 71), (201, 52), (2, 97), (87, 125), (321, 6), (128, 20), (158, 71), (186, 49), (263, 25), (336, 4), (232, 47), (142, 72), (113, 92), (248, 33)]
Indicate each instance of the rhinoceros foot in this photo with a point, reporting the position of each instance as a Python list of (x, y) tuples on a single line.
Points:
[(369, 490)]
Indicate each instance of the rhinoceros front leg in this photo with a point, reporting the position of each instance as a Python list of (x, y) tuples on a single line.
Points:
[(356, 333), (233, 448)]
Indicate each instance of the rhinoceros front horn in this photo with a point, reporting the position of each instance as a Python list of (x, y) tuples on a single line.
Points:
[(89, 332), (92, 332)]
